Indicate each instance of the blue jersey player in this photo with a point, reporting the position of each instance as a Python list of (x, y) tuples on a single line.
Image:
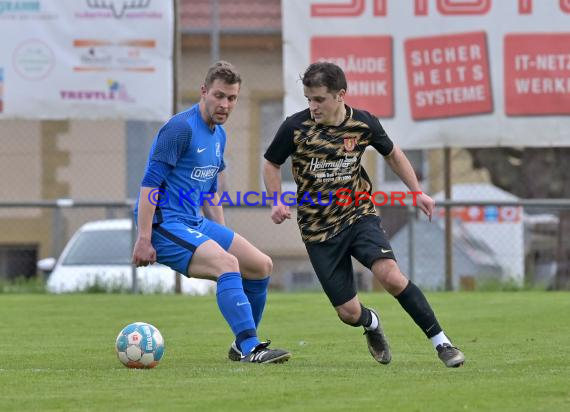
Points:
[(184, 163)]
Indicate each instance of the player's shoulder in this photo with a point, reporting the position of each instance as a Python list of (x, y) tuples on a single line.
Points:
[(184, 122), (363, 116), (177, 127), (370, 120), (297, 119), (300, 116), (185, 118)]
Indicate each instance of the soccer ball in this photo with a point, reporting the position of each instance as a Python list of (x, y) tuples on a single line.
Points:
[(139, 345)]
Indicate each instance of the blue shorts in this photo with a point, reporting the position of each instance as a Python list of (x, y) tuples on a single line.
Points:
[(175, 242)]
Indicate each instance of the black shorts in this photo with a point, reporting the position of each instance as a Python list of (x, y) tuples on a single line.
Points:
[(331, 259)]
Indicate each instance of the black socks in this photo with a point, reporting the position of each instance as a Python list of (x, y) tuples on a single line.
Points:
[(415, 303), (365, 317)]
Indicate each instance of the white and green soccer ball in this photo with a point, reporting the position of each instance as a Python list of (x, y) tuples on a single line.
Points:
[(139, 345)]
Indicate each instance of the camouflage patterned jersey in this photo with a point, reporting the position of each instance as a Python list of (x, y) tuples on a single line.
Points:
[(326, 159)]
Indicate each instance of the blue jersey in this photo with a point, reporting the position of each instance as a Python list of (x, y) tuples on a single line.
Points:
[(195, 154)]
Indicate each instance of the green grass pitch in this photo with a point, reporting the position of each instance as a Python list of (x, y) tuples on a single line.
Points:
[(57, 353)]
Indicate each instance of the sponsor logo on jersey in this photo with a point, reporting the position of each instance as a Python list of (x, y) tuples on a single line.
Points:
[(204, 173), (333, 165)]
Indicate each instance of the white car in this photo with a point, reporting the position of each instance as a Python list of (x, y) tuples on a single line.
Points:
[(99, 255)]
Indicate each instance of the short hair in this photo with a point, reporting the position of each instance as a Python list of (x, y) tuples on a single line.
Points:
[(224, 71), (325, 74)]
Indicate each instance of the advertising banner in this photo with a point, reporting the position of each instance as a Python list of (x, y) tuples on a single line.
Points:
[(64, 59), (441, 73)]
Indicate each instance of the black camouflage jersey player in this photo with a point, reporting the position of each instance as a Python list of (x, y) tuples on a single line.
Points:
[(326, 143), (326, 159)]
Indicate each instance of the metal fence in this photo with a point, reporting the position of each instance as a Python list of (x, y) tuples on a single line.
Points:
[(492, 243)]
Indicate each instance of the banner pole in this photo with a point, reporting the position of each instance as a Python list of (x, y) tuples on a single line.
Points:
[(448, 220), (176, 57)]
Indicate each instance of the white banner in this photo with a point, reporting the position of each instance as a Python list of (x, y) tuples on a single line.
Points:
[(457, 73), (64, 59)]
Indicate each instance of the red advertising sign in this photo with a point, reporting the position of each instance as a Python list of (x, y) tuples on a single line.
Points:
[(367, 63), (448, 76), (537, 74)]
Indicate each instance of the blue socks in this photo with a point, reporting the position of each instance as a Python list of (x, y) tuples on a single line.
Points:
[(256, 292), (237, 310)]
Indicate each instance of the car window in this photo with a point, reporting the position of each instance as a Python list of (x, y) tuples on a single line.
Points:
[(101, 247)]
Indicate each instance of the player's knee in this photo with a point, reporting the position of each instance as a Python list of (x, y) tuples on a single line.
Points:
[(389, 275), (261, 268), (348, 315), (266, 265)]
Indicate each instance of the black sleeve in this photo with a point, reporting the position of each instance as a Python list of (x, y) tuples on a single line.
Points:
[(378, 138), (283, 144)]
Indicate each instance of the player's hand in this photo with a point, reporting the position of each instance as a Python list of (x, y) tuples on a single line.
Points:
[(279, 213), (426, 204), (143, 253)]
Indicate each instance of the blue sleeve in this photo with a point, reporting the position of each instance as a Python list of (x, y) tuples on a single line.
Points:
[(172, 141), (155, 173)]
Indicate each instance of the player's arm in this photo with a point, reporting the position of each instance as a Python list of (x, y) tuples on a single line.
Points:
[(156, 172), (215, 211), (277, 153), (272, 179), (172, 141), (400, 164), (143, 252)]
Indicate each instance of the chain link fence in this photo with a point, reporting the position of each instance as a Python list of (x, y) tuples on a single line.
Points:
[(494, 244)]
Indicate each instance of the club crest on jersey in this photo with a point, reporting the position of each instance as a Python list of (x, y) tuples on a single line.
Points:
[(349, 143), (218, 151)]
